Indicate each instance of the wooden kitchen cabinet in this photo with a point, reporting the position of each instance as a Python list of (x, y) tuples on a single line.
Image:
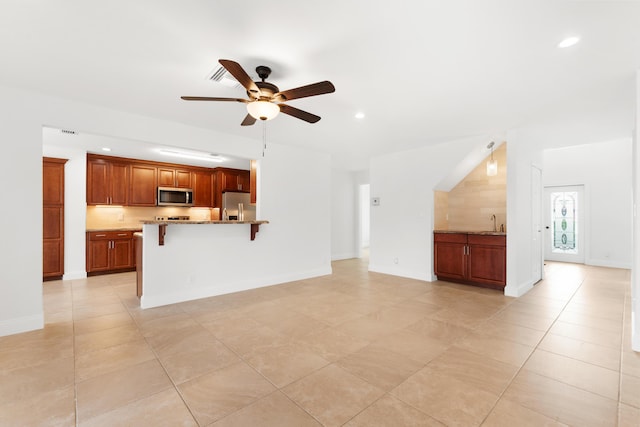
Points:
[(236, 180), (107, 181), (475, 259), (52, 218), (143, 185), (450, 255), (202, 189), (110, 251), (178, 178)]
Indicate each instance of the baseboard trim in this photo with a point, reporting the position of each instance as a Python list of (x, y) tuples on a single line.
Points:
[(518, 290), (75, 275), (608, 263), (147, 301), (410, 274)]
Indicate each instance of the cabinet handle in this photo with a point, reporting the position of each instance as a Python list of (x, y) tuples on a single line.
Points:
[(122, 234), (100, 235)]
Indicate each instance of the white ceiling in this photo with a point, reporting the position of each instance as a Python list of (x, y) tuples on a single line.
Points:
[(423, 71)]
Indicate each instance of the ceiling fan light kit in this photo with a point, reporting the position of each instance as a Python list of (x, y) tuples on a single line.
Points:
[(263, 110), (265, 99)]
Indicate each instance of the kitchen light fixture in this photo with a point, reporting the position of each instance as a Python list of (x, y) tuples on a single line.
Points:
[(492, 164), (208, 157), (569, 41), (263, 110), (360, 115), (106, 149)]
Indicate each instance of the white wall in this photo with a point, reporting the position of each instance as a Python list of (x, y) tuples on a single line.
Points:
[(635, 272), (608, 208), (204, 260), (402, 225), (22, 115)]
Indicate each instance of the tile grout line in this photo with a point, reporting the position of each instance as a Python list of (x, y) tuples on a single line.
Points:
[(501, 395)]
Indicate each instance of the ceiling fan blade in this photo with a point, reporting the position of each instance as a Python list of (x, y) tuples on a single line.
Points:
[(299, 114), (313, 89), (240, 75), (248, 120), (208, 98)]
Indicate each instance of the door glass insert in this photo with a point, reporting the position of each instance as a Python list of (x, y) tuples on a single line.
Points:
[(564, 220)]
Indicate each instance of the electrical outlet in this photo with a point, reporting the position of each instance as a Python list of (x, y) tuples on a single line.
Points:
[(120, 217), (395, 260)]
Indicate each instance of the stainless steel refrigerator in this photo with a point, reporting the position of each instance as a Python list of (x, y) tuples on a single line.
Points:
[(230, 202)]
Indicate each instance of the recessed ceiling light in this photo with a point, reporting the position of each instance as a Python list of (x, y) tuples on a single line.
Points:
[(569, 41), (360, 115), (106, 149), (192, 155)]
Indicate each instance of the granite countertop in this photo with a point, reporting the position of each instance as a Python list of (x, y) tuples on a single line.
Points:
[(138, 228), (153, 221), (484, 233)]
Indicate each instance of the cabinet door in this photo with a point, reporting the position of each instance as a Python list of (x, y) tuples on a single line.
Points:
[(166, 177), (244, 181), (107, 183), (203, 189), (52, 218), (450, 260), (98, 255), (52, 241), (143, 185), (98, 185), (119, 183), (488, 260), (183, 179), (121, 253), (229, 181)]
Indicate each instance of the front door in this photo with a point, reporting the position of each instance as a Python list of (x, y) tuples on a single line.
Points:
[(564, 224)]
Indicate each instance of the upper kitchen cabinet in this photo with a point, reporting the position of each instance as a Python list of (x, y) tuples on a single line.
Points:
[(107, 181), (143, 185), (202, 188), (234, 180), (170, 177)]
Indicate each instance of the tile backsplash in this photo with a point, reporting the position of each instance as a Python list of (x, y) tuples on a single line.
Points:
[(106, 217)]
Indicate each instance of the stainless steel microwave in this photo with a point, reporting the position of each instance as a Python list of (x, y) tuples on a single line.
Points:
[(170, 196)]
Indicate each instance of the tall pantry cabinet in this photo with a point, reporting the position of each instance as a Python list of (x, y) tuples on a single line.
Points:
[(52, 218)]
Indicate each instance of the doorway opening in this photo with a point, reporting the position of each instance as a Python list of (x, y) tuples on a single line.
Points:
[(363, 241)]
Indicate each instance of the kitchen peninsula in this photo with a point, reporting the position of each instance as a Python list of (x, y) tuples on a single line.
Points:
[(162, 225), (185, 260)]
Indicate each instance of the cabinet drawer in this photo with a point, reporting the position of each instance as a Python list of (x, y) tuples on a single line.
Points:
[(479, 239), (109, 235), (450, 237)]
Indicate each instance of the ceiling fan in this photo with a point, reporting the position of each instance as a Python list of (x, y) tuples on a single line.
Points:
[(265, 99)]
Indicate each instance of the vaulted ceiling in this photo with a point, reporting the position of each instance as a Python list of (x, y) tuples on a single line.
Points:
[(422, 71)]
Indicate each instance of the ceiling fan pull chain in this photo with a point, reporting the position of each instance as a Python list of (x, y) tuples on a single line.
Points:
[(264, 136)]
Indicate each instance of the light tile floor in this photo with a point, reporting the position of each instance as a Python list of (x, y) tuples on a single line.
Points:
[(354, 348)]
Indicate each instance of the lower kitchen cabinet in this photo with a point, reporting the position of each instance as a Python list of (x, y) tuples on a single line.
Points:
[(475, 259), (110, 251)]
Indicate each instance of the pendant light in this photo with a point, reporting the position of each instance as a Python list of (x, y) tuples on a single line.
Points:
[(492, 164)]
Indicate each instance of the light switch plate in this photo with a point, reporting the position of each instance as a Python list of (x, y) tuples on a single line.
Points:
[(375, 201)]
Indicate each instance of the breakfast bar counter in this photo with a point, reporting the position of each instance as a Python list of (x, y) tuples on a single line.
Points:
[(162, 225)]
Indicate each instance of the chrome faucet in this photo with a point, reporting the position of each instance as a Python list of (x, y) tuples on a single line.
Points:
[(493, 218)]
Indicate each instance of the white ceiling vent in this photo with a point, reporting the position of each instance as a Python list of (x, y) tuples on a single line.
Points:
[(222, 76)]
